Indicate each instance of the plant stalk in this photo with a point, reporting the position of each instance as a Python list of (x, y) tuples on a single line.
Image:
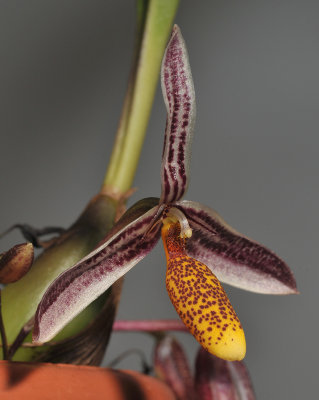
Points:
[(155, 19), (149, 325), (3, 334)]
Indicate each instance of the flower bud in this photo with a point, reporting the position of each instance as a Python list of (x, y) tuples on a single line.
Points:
[(171, 366), (217, 379), (16, 262)]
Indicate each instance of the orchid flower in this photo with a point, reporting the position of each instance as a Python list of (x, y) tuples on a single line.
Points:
[(213, 378), (199, 245)]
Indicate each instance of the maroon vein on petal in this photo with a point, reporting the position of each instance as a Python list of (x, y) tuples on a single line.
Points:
[(241, 380), (217, 379), (179, 98), (171, 366), (77, 287), (234, 258)]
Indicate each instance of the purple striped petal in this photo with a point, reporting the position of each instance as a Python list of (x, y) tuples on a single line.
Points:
[(77, 287), (234, 258), (217, 379), (171, 366), (179, 98)]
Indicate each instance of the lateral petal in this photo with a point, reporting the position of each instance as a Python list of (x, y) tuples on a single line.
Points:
[(234, 258), (77, 287), (179, 97)]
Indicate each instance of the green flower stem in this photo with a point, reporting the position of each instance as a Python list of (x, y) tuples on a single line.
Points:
[(155, 23), (121, 130)]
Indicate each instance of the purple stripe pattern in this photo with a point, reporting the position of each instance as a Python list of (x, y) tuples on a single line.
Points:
[(77, 287), (179, 98), (171, 366), (216, 379), (234, 258)]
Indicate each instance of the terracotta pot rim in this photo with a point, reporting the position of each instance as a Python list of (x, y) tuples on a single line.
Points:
[(48, 381)]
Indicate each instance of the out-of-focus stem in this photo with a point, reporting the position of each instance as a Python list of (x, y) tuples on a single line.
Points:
[(20, 338), (141, 9), (144, 364), (3, 334), (149, 325), (155, 22)]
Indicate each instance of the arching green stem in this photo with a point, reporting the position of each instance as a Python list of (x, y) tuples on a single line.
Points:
[(155, 19)]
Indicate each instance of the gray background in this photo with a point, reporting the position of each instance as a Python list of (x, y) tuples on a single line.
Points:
[(64, 66)]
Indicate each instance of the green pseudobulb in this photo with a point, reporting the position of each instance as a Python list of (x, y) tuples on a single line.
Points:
[(20, 299)]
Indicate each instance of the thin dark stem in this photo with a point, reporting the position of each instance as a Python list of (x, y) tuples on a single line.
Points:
[(3, 335), (25, 330), (33, 235), (146, 369)]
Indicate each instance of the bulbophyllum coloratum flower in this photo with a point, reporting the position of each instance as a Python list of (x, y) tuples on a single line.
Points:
[(201, 249), (214, 379)]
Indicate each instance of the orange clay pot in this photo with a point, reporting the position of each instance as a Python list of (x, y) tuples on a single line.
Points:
[(36, 381)]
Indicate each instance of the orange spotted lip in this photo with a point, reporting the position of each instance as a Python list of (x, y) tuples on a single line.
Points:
[(200, 300)]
